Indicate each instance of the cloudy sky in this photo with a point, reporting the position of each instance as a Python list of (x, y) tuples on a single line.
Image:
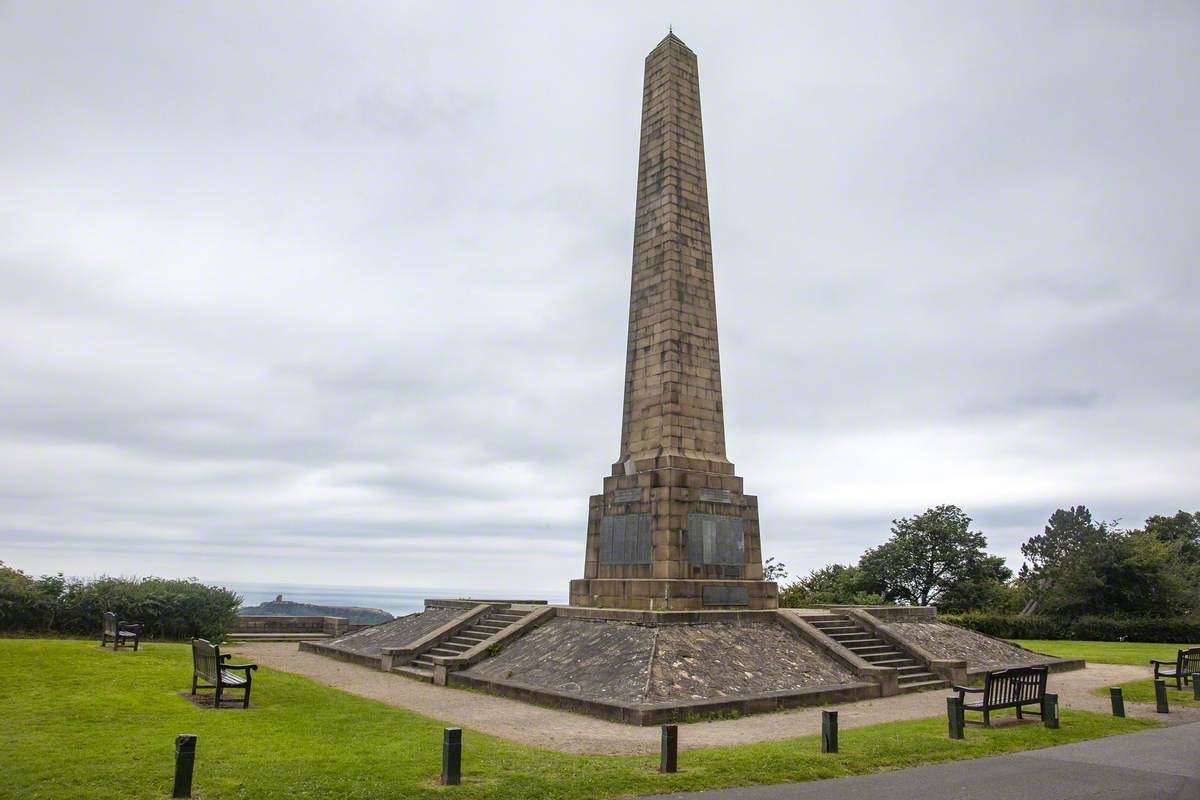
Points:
[(337, 293)]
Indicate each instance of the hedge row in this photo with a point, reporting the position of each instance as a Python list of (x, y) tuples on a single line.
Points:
[(170, 609), (1095, 629)]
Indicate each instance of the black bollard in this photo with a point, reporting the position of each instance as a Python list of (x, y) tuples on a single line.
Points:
[(1196, 685), (185, 760), (1050, 711), (954, 715), (669, 757), (451, 756), (1118, 701), (1160, 697), (829, 733)]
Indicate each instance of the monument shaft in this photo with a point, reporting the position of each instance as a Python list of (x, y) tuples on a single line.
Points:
[(673, 529)]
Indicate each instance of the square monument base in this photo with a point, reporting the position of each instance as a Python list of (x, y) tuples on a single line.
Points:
[(653, 594)]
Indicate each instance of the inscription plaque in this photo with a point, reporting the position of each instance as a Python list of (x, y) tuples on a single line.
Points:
[(725, 596), (621, 496), (625, 539), (715, 496), (716, 540)]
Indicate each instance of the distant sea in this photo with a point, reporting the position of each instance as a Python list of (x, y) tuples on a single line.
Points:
[(396, 601)]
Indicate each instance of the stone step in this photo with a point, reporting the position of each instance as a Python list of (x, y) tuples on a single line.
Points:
[(863, 649), (442, 651), (416, 673), (858, 641), (451, 644), (506, 618), (894, 662), (875, 658), (917, 677), (910, 668), (489, 628), (832, 629), (474, 636), (937, 683)]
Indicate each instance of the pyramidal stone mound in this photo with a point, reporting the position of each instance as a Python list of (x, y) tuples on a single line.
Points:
[(672, 618)]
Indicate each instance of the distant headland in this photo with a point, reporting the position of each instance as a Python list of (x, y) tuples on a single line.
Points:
[(356, 615)]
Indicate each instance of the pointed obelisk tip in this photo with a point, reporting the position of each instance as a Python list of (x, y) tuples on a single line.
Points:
[(671, 37)]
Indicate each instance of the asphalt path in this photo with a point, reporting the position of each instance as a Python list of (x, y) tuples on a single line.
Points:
[(1161, 764)]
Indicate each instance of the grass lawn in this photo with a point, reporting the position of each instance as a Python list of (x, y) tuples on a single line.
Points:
[(81, 722), (1137, 653)]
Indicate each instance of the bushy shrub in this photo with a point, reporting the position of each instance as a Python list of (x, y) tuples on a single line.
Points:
[(169, 608), (1088, 628)]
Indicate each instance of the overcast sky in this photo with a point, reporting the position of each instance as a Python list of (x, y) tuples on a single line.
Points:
[(337, 293)]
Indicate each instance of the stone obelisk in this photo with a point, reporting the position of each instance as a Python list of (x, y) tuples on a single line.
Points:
[(673, 529)]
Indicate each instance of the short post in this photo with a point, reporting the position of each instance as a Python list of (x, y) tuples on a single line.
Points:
[(1118, 701), (451, 756), (669, 757), (185, 760), (1050, 710), (1160, 697), (954, 714), (1196, 685), (829, 732)]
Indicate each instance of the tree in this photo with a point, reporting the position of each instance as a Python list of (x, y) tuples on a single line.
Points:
[(926, 556), (774, 570), (836, 584), (985, 586), (1080, 566), (1183, 528)]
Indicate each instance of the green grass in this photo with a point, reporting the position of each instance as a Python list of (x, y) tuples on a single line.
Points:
[(1143, 692), (81, 722), (1137, 653)]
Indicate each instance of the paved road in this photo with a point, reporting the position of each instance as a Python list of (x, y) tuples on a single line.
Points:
[(1162, 764)]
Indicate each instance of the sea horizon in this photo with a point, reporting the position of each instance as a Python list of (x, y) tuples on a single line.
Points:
[(397, 601)]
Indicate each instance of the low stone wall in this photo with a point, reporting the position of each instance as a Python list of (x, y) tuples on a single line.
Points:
[(329, 626)]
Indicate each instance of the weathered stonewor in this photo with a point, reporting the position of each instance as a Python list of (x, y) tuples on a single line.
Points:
[(673, 529)]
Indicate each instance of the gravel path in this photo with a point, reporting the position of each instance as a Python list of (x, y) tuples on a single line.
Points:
[(575, 733)]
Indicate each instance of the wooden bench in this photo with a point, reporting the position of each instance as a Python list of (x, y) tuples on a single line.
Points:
[(120, 631), (1181, 669), (209, 664), (1008, 688)]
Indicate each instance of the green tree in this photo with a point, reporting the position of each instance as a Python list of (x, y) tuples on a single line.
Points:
[(1080, 566), (1183, 528), (926, 556), (835, 584)]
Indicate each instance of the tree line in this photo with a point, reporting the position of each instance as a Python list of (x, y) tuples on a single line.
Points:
[(1077, 566)]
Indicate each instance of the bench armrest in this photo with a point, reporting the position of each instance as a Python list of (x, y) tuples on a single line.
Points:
[(240, 666), (963, 689), (136, 627), (226, 656), (1162, 663)]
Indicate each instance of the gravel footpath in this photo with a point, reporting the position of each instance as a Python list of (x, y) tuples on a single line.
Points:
[(575, 733)]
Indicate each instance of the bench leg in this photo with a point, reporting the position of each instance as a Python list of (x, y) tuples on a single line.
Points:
[(193, 683), (217, 696), (135, 643), (1019, 713), (987, 717), (246, 697)]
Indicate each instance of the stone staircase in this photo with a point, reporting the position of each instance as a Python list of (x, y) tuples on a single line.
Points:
[(914, 675), (479, 631)]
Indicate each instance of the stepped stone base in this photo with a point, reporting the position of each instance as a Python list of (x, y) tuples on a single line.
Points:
[(649, 666), (673, 595)]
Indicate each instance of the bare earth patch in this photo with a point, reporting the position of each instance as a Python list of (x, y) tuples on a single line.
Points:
[(575, 733)]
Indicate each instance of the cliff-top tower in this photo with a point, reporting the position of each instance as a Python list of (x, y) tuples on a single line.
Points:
[(672, 530)]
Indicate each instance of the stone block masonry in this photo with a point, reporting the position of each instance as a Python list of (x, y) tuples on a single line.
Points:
[(673, 528)]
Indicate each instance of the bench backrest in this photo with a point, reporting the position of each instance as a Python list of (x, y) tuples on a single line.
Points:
[(1013, 686), (110, 623), (1188, 661), (206, 659)]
